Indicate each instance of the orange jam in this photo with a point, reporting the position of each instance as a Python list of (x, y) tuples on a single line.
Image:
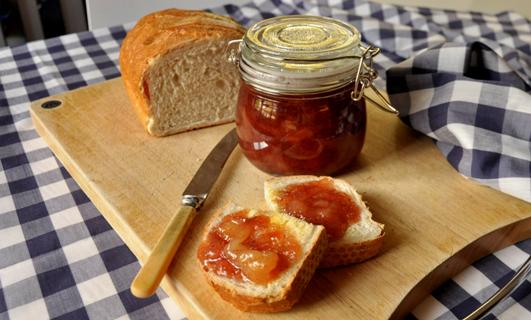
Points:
[(249, 248), (318, 202), (317, 134)]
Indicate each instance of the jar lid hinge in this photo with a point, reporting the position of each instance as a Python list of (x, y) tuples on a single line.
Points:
[(365, 75)]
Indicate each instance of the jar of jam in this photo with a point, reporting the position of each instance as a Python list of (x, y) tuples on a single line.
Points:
[(301, 108)]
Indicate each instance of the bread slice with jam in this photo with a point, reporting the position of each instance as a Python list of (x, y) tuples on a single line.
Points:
[(260, 261), (353, 235)]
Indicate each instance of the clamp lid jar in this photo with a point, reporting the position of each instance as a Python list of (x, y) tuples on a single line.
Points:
[(301, 108)]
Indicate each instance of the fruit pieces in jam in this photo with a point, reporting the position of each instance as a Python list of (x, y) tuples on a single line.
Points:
[(319, 202), (249, 248), (317, 134)]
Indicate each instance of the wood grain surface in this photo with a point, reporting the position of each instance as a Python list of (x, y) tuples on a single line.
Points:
[(437, 222)]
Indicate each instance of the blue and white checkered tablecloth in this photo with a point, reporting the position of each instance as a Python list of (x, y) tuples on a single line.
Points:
[(60, 259)]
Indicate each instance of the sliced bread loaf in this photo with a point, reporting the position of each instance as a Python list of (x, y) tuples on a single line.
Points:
[(353, 235), (230, 270), (175, 69)]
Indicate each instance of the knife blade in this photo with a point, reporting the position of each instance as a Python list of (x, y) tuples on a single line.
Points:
[(148, 278)]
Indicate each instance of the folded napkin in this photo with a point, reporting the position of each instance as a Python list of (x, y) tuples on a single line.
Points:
[(474, 99)]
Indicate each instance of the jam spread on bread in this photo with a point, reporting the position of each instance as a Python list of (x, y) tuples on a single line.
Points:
[(249, 248), (307, 134), (319, 202)]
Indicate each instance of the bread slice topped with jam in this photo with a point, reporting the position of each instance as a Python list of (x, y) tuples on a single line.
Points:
[(335, 204), (260, 261)]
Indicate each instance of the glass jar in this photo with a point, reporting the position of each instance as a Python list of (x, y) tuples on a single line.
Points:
[(301, 108)]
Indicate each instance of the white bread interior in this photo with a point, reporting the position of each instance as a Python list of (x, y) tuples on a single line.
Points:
[(281, 293), (192, 86), (361, 240)]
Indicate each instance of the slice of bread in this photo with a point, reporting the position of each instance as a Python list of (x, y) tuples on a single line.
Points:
[(175, 69), (361, 240), (283, 292)]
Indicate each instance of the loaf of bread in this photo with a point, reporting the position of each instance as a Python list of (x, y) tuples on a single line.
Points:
[(175, 69), (360, 241), (281, 293)]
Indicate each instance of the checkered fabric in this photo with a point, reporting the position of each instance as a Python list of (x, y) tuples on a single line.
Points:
[(474, 100), (59, 258)]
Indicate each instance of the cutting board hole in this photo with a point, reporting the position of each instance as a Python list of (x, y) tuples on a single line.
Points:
[(51, 104)]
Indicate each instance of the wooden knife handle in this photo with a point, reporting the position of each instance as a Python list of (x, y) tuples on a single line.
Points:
[(148, 278)]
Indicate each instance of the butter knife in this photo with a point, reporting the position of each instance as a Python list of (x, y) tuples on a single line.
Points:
[(148, 278)]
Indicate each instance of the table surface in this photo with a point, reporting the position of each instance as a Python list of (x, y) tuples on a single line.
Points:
[(59, 258)]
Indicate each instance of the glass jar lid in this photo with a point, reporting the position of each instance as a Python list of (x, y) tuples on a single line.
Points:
[(299, 54)]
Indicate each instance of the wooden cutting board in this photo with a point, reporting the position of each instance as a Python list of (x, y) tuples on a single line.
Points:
[(437, 222)]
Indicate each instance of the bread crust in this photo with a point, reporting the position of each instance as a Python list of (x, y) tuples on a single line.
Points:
[(157, 34), (280, 301), (343, 254)]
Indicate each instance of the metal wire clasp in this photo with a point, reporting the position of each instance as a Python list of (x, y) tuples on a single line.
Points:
[(234, 52), (365, 75)]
